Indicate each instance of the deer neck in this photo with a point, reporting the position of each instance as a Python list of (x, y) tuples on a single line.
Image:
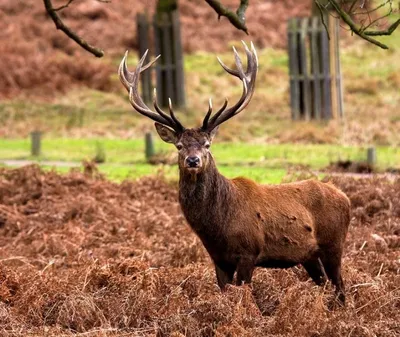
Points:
[(205, 198)]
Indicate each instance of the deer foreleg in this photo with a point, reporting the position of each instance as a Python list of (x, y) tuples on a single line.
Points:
[(245, 270), (224, 275)]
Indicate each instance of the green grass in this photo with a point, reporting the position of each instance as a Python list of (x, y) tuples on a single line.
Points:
[(125, 152), (261, 162)]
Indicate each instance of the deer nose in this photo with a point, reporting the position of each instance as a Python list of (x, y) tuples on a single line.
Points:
[(193, 161)]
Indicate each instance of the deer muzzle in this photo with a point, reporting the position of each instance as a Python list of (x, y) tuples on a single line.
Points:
[(192, 162)]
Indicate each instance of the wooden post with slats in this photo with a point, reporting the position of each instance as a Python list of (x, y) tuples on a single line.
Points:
[(294, 69), (169, 69), (314, 67), (143, 45), (304, 80)]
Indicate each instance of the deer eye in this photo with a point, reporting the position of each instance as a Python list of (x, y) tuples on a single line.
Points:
[(207, 145), (179, 147)]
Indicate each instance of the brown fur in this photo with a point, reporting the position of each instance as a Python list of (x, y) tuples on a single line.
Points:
[(244, 225)]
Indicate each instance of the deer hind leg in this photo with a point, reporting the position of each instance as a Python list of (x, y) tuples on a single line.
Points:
[(332, 265), (244, 270), (224, 275)]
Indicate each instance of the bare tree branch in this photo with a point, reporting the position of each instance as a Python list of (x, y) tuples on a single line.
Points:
[(360, 31), (388, 31), (237, 19), (63, 6), (367, 12), (321, 12), (60, 25)]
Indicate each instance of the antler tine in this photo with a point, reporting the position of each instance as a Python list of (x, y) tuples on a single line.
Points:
[(148, 65), (156, 106), (238, 63), (171, 112), (227, 69), (221, 110), (126, 77), (232, 111), (130, 81), (209, 112), (248, 78), (146, 112)]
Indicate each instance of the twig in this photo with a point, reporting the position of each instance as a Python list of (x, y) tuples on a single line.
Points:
[(388, 31), (376, 299), (363, 245), (360, 31), (63, 6), (60, 25), (367, 12), (362, 285), (51, 262), (237, 19), (347, 19), (352, 5), (322, 18), (372, 22), (380, 270)]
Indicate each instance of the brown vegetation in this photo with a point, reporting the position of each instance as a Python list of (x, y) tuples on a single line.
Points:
[(81, 254)]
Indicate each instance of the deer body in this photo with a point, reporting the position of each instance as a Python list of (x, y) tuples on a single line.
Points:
[(243, 224)]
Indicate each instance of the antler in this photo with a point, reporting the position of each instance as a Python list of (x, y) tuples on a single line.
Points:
[(248, 78), (130, 81)]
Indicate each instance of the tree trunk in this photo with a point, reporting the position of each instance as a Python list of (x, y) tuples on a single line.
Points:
[(166, 6)]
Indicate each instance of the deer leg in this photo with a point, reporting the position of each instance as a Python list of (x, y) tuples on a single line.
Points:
[(224, 275), (245, 270), (332, 265), (313, 269)]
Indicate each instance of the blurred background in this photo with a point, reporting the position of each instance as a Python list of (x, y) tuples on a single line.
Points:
[(322, 102)]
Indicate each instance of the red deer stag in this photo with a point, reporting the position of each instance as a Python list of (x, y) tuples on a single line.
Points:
[(242, 224)]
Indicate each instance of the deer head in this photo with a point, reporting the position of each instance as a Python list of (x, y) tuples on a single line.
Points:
[(193, 144)]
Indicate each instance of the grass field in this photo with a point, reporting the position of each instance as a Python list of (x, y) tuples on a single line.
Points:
[(263, 162), (253, 144)]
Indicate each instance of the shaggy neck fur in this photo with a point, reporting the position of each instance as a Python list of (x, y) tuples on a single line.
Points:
[(205, 200)]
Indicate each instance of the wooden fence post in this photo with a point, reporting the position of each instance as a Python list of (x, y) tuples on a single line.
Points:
[(371, 156), (149, 145), (36, 143), (143, 44)]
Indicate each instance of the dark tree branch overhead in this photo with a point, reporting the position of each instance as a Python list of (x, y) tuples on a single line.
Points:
[(237, 19), (346, 11), (71, 34), (361, 30)]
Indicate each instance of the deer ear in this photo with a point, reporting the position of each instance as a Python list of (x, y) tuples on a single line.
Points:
[(213, 133), (166, 134)]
